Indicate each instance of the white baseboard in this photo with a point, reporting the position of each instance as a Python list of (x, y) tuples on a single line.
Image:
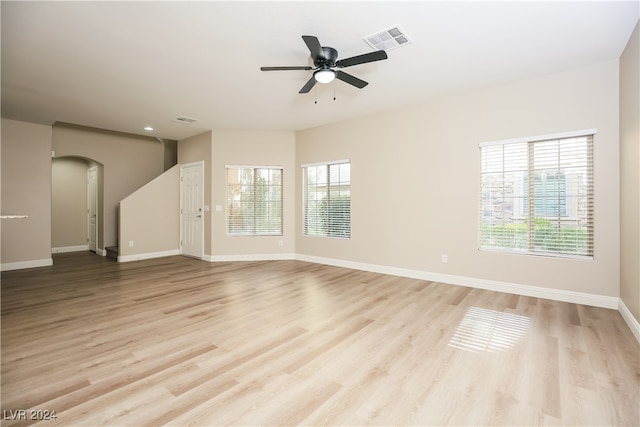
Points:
[(138, 257), (491, 285), (632, 322), (101, 252), (8, 266), (64, 249), (250, 257)]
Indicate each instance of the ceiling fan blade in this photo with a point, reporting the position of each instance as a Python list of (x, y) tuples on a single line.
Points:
[(348, 78), (362, 59), (309, 85), (285, 68), (314, 47)]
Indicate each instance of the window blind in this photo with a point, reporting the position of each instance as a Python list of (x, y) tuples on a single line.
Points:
[(537, 196), (254, 201), (327, 199)]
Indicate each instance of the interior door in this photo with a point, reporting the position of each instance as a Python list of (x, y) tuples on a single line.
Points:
[(192, 209), (92, 208)]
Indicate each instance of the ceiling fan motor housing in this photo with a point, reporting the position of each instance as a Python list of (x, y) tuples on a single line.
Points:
[(330, 56)]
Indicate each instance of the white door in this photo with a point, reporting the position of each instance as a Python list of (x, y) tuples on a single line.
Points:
[(92, 208), (191, 209)]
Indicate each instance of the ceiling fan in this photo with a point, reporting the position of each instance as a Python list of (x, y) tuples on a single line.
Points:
[(326, 61)]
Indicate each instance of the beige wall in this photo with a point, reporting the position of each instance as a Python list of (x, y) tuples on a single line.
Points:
[(220, 148), (26, 190), (128, 161), (252, 148), (630, 175), (68, 203), (415, 179), (150, 218)]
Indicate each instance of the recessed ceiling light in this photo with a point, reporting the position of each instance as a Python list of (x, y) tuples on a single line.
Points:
[(148, 128)]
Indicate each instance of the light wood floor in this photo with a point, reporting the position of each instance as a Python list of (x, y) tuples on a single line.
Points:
[(178, 341)]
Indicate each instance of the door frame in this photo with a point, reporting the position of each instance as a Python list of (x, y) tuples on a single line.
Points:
[(93, 169), (199, 164)]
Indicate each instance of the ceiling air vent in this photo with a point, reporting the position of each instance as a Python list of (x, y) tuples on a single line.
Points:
[(391, 38), (184, 119)]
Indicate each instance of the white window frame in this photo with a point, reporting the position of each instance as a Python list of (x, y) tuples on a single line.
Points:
[(239, 231), (525, 167), (311, 222)]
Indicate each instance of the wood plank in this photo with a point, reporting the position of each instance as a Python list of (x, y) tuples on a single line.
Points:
[(178, 341)]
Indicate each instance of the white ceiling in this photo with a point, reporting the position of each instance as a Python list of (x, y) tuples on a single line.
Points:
[(125, 65)]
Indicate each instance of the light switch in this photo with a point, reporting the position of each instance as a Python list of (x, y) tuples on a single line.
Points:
[(218, 208)]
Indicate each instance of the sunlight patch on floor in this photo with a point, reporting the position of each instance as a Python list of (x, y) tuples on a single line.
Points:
[(489, 330)]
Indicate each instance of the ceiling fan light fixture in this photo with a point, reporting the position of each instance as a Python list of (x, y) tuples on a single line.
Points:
[(324, 75), (325, 60)]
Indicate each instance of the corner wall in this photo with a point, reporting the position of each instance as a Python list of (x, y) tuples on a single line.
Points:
[(630, 177), (26, 190), (219, 148)]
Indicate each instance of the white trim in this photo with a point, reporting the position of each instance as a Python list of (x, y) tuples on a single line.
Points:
[(536, 253), (97, 200), (138, 257), (196, 163), (541, 137), (253, 167), (491, 285), (250, 257), (19, 265), (101, 252), (332, 162), (63, 249), (631, 321)]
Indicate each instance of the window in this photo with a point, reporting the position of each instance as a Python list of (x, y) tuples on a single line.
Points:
[(254, 201), (536, 195), (327, 199)]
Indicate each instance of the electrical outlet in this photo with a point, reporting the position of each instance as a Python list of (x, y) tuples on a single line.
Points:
[(280, 242), (444, 258), (130, 243)]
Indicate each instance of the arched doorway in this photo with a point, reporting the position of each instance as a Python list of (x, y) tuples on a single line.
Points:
[(76, 204)]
